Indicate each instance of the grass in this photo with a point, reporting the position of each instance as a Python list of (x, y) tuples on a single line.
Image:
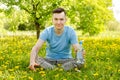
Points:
[(102, 60)]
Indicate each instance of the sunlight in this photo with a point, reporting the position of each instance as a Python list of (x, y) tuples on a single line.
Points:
[(116, 9)]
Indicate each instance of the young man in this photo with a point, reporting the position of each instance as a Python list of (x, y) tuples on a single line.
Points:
[(59, 39)]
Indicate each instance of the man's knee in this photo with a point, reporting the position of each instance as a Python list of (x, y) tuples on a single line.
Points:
[(79, 66), (69, 65), (43, 63)]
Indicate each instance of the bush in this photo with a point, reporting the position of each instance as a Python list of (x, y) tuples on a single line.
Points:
[(26, 26), (113, 26), (22, 27)]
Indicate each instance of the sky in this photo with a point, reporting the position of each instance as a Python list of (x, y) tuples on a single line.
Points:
[(116, 9)]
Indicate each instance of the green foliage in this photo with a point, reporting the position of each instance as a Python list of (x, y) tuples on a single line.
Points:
[(21, 27), (91, 15), (39, 10), (26, 26), (15, 18)]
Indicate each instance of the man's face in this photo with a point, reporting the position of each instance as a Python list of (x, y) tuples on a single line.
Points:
[(59, 20)]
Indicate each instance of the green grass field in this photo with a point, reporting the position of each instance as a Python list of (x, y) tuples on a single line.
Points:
[(102, 60)]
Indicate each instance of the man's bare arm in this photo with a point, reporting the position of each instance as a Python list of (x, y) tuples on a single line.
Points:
[(34, 53)]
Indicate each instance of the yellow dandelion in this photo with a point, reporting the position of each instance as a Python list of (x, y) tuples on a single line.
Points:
[(24, 72), (1, 58), (108, 58), (37, 69), (11, 70), (56, 68), (41, 69), (76, 69), (95, 74), (4, 66), (30, 78), (109, 68), (43, 75), (12, 77), (57, 75), (58, 65), (69, 73), (0, 72), (85, 65), (42, 72), (118, 70), (64, 79), (24, 76), (6, 62), (16, 67), (85, 76), (60, 69)]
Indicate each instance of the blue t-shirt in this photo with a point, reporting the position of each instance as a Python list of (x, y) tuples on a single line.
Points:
[(58, 47)]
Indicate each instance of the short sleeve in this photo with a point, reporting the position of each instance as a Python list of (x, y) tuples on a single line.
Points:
[(73, 37), (44, 35)]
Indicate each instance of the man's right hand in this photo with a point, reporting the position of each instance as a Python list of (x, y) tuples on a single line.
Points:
[(32, 66)]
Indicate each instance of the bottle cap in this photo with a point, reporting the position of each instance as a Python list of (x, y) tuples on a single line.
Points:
[(80, 42)]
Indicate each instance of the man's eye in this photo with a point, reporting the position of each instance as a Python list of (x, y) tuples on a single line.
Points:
[(61, 19), (56, 19)]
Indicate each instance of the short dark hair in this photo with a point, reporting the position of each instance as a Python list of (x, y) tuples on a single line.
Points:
[(59, 10)]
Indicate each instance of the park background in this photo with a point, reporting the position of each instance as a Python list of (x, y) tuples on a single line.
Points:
[(97, 22)]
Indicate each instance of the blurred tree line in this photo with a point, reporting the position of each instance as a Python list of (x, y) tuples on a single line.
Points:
[(89, 16)]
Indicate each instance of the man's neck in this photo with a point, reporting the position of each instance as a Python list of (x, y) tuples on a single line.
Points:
[(59, 31)]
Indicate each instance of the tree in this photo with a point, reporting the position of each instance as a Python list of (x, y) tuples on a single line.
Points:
[(39, 10), (90, 15)]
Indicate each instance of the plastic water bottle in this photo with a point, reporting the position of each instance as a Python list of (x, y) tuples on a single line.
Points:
[(80, 59)]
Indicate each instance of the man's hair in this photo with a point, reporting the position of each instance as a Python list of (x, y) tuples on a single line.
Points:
[(59, 10)]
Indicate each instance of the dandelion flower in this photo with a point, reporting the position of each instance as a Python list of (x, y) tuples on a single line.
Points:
[(95, 74), (0, 72), (60, 69), (16, 67), (57, 75), (118, 70), (11, 70), (12, 77), (30, 78), (43, 75), (42, 72)]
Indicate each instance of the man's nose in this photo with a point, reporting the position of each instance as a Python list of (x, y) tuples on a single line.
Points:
[(58, 21)]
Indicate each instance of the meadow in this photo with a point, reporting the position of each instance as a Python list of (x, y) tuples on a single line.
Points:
[(102, 60)]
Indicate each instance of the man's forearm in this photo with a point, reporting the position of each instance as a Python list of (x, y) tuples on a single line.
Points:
[(33, 55)]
